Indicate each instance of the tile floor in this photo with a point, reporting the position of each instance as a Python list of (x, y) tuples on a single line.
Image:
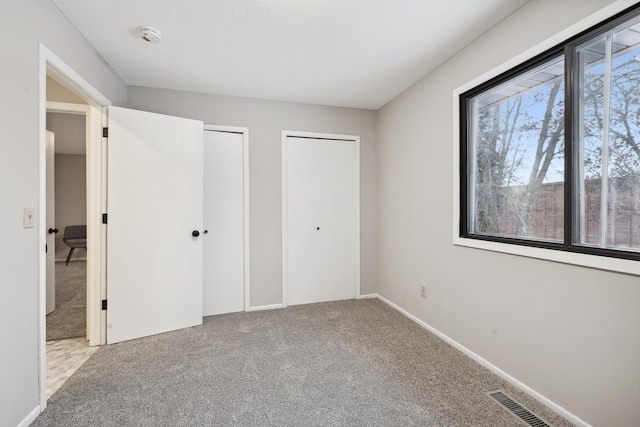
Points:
[(63, 358)]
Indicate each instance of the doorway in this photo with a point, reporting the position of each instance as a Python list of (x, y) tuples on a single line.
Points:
[(66, 321), (87, 101), (226, 220), (151, 135), (66, 314)]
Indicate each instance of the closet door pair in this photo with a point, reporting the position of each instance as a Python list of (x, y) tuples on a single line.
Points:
[(320, 219)]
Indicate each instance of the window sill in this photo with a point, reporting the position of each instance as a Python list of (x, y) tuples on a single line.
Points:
[(583, 260)]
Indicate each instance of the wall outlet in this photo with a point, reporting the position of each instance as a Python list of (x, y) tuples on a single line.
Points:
[(423, 291)]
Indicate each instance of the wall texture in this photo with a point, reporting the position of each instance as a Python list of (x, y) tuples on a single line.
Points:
[(22, 25), (570, 333), (266, 120)]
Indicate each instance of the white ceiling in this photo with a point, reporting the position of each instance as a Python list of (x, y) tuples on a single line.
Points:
[(350, 53)]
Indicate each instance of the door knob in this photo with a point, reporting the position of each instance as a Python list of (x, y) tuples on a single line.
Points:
[(53, 230), (195, 233)]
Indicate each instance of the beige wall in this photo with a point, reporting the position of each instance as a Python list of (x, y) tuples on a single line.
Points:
[(23, 24), (58, 93), (570, 333), (71, 199), (266, 120)]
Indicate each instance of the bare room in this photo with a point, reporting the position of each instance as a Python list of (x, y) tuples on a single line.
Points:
[(320, 213)]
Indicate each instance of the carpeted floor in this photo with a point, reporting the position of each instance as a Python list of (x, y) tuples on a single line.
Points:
[(348, 363), (69, 320)]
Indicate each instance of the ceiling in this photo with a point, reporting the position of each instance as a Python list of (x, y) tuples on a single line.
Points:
[(349, 53)]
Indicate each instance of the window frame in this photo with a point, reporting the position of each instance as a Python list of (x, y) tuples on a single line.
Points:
[(565, 251)]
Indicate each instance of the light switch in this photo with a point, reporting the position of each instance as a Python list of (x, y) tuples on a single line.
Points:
[(28, 217)]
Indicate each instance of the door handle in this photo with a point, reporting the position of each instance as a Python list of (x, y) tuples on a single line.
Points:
[(53, 230), (195, 233)]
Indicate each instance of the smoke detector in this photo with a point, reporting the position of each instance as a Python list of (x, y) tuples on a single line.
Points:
[(150, 34)]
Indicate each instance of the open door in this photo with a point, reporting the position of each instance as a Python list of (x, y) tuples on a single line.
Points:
[(155, 214), (51, 224)]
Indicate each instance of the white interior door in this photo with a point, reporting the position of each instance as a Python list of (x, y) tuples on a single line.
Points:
[(321, 211), (51, 224), (224, 220), (154, 198)]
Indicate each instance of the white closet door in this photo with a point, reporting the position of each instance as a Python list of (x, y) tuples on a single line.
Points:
[(321, 199), (224, 220), (304, 220), (155, 192), (339, 199)]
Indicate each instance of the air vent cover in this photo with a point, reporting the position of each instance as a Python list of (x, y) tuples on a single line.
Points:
[(519, 411)]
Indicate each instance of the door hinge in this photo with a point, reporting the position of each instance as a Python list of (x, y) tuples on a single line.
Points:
[(104, 218), (104, 304), (105, 132)]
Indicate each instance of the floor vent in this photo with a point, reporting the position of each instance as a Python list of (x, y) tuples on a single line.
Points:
[(522, 413)]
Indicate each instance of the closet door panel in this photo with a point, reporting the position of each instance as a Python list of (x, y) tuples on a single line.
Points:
[(304, 206), (339, 198)]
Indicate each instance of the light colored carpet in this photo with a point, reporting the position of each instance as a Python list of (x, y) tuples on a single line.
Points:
[(348, 363), (69, 320)]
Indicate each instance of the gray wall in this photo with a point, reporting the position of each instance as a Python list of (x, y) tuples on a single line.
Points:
[(70, 172), (22, 25), (71, 136), (266, 120), (71, 199), (570, 333)]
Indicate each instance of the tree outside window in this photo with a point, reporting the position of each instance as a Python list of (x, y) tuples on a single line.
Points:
[(542, 173)]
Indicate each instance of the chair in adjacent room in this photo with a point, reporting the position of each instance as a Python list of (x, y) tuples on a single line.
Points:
[(75, 236)]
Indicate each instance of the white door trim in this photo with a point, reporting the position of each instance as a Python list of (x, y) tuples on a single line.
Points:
[(356, 139), (246, 205), (51, 64)]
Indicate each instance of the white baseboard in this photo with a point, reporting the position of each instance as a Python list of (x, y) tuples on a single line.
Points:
[(367, 296), (276, 306), (71, 260), (264, 307), (29, 418), (499, 372)]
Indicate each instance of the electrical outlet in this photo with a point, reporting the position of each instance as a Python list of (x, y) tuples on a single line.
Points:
[(423, 291)]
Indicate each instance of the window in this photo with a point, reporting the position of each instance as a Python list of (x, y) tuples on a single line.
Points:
[(550, 150)]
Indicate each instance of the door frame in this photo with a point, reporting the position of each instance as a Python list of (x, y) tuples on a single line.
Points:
[(313, 135), (95, 333), (50, 64), (246, 204)]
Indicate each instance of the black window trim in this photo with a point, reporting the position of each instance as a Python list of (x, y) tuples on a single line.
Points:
[(564, 49)]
